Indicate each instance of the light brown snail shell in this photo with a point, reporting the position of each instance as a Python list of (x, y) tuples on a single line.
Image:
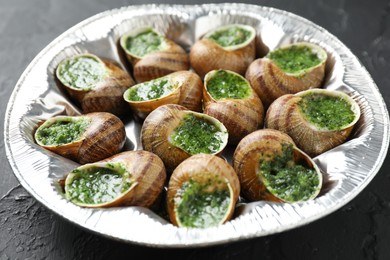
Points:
[(107, 94), (264, 144), (188, 94), (160, 124), (156, 64), (206, 55), (285, 115), (271, 82), (201, 168), (147, 176), (104, 136), (240, 116)]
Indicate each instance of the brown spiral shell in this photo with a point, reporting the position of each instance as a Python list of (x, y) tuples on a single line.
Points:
[(271, 82), (240, 116), (206, 55), (104, 136), (264, 143), (147, 176), (156, 64), (159, 125), (188, 94), (285, 115), (201, 168), (106, 95)]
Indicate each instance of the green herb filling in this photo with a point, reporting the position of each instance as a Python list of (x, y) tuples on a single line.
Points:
[(230, 36), (287, 180), (197, 135), (61, 132), (224, 84), (153, 89), (97, 185), (326, 112), (81, 72), (295, 58), (198, 207), (144, 43)]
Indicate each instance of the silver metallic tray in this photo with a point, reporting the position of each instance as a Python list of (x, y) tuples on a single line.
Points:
[(347, 168)]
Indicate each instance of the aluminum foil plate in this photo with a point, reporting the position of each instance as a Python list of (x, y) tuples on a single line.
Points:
[(347, 169)]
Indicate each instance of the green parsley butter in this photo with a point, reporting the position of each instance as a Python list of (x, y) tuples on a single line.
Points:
[(197, 135), (223, 84), (326, 112), (97, 185), (200, 205), (153, 89), (287, 180), (81, 72), (61, 132), (294, 58), (230, 36), (144, 43)]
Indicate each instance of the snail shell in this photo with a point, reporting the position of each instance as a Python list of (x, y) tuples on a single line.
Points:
[(159, 126), (146, 177), (207, 55), (285, 115), (270, 82), (202, 168), (188, 94), (104, 95), (240, 116), (104, 136), (170, 58), (260, 145)]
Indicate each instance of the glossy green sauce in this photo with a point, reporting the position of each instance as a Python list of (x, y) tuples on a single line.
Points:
[(228, 85), (153, 89), (81, 72), (326, 112), (230, 36), (144, 43), (294, 58), (61, 132), (288, 180), (97, 185), (197, 135), (200, 208)]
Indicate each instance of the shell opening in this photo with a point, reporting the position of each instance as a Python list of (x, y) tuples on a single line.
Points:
[(328, 110), (97, 184), (297, 58), (225, 84), (232, 37), (199, 133), (290, 175), (81, 72), (150, 90), (61, 130), (142, 41), (202, 203)]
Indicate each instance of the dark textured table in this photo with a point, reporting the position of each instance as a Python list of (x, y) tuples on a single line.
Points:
[(359, 230)]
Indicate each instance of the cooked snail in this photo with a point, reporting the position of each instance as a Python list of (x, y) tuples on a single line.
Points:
[(97, 85), (287, 70), (175, 133), (133, 178), (230, 47), (316, 119), (228, 97), (152, 55), (270, 167), (182, 88), (84, 139), (202, 192)]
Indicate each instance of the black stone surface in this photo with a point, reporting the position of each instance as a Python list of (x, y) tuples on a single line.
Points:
[(359, 230)]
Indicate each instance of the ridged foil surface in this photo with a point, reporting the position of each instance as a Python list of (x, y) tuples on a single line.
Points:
[(347, 169)]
